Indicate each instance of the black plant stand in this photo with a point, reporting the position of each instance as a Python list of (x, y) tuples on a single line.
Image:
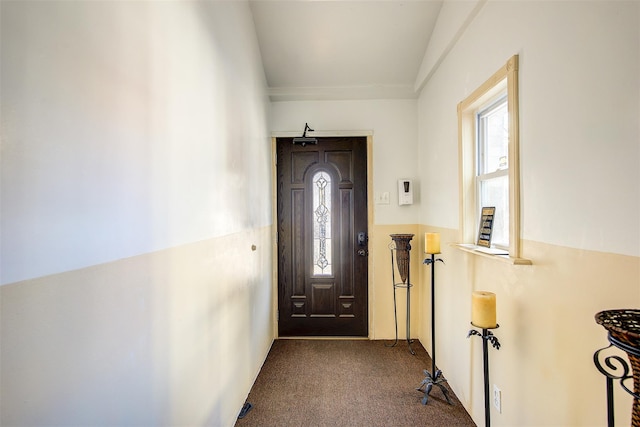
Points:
[(401, 248), (624, 333)]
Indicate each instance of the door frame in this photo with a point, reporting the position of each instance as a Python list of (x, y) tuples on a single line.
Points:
[(274, 216)]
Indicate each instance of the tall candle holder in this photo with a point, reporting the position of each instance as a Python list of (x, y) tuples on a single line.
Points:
[(487, 337), (401, 247), (434, 377)]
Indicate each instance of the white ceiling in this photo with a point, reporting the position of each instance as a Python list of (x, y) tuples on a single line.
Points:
[(343, 49)]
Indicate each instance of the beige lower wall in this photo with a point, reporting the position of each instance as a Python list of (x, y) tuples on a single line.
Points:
[(174, 337), (178, 336), (544, 367)]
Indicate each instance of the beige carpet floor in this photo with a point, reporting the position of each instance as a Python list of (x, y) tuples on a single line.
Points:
[(347, 383)]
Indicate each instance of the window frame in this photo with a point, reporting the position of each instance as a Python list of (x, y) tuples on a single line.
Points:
[(505, 79)]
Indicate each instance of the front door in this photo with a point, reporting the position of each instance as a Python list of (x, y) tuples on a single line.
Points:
[(322, 237)]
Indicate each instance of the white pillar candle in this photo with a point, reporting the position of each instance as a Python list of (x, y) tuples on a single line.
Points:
[(432, 243), (483, 309)]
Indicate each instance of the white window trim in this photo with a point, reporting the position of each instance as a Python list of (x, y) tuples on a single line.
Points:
[(505, 78)]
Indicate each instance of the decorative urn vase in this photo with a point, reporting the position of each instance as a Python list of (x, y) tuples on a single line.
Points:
[(402, 247)]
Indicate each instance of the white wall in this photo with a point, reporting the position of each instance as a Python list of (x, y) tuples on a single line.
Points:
[(580, 194), (135, 180), (394, 127), (579, 132), (126, 125)]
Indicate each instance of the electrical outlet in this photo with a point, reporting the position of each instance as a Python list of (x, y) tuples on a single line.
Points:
[(497, 398)]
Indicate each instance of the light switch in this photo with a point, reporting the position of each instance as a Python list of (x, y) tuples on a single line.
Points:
[(382, 198)]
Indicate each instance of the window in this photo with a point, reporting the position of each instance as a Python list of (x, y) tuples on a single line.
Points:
[(492, 166), (489, 160)]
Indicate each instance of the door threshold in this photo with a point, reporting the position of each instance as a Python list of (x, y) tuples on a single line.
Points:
[(336, 338)]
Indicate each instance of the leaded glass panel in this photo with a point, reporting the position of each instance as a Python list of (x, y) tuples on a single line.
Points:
[(322, 224)]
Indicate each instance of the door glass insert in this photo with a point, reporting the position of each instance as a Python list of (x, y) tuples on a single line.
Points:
[(322, 224)]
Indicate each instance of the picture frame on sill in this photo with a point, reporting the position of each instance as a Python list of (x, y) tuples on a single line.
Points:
[(486, 226)]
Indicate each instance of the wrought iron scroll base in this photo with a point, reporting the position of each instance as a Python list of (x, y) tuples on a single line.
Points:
[(616, 368), (623, 327), (487, 337)]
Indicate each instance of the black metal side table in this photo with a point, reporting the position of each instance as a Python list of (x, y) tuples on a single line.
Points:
[(624, 333)]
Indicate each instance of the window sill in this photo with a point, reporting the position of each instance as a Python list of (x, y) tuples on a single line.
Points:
[(476, 250)]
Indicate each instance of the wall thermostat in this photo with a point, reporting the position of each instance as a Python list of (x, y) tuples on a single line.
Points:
[(405, 192)]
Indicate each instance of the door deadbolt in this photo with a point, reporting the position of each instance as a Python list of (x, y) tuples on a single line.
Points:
[(362, 238)]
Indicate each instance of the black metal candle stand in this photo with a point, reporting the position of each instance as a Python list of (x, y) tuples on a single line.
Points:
[(487, 337), (435, 377)]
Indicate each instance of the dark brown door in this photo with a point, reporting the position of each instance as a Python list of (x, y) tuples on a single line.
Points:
[(322, 237)]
